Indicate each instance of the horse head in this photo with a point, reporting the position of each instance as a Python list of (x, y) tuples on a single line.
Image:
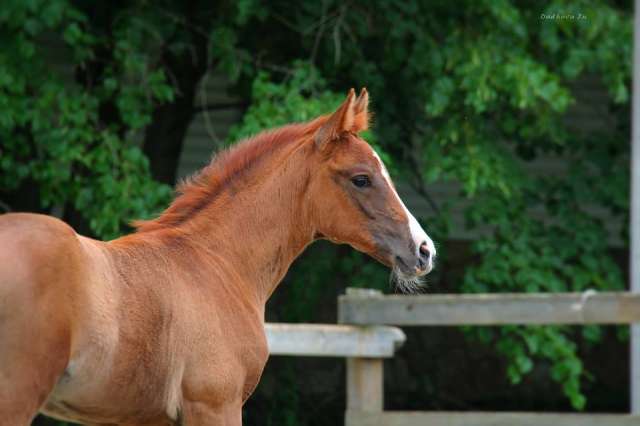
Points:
[(355, 201)]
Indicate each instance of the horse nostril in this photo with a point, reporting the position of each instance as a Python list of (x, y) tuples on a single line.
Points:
[(424, 251)]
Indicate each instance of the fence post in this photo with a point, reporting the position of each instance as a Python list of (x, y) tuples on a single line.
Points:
[(365, 376), (365, 384)]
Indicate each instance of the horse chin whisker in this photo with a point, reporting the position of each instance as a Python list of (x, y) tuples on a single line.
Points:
[(406, 284)]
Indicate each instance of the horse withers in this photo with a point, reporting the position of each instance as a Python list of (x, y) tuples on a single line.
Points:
[(166, 326)]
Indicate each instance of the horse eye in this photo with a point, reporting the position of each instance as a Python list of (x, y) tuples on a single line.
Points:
[(361, 181)]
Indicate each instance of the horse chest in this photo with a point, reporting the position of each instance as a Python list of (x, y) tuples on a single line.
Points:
[(229, 364)]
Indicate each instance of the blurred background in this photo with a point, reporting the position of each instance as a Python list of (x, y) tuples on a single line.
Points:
[(506, 125)]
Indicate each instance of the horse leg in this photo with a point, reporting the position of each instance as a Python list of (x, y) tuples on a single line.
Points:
[(34, 351), (199, 413)]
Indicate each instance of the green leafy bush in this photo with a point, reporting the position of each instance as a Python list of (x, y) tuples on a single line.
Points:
[(471, 93)]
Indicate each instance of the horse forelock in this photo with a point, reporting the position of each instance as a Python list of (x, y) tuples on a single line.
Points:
[(198, 191)]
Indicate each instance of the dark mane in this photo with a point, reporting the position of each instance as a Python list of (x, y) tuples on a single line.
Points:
[(196, 192)]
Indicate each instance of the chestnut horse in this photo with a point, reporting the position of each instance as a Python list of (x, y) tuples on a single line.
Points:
[(166, 326)]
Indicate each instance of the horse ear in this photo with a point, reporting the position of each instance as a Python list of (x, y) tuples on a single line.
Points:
[(361, 112), (341, 121)]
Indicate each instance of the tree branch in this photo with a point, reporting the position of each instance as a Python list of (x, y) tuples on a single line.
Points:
[(316, 43)]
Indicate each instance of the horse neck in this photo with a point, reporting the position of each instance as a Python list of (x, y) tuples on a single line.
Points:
[(256, 232)]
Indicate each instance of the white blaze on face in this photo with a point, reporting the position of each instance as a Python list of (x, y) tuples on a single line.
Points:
[(416, 231)]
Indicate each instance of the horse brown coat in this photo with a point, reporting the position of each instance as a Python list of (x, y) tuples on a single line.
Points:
[(166, 326)]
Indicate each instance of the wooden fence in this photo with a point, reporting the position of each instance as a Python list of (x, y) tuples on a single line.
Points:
[(365, 347), (345, 341), (363, 307)]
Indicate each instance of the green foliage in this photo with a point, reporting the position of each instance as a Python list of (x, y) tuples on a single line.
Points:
[(54, 131), (284, 403), (545, 236)]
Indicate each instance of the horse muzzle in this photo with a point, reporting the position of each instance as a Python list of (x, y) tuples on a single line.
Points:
[(418, 264)]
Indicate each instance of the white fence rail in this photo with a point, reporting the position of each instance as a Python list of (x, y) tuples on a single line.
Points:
[(333, 340), (369, 308)]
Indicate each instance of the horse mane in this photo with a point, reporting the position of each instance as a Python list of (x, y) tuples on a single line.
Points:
[(198, 191)]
